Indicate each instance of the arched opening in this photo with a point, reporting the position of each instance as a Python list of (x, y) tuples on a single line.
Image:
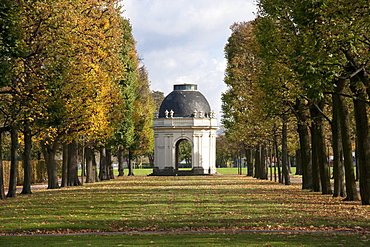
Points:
[(184, 155)]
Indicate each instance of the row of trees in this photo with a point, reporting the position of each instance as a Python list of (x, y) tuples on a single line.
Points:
[(70, 78), (298, 77)]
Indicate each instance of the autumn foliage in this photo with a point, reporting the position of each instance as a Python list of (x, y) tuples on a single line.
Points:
[(65, 70), (298, 85)]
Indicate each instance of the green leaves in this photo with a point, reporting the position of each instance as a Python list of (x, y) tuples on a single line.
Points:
[(10, 39)]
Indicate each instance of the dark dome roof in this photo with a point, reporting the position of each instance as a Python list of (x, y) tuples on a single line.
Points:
[(183, 101)]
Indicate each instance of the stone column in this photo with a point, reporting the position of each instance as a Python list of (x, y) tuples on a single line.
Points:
[(168, 152), (156, 149), (212, 153)]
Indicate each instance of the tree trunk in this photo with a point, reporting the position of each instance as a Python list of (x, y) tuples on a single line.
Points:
[(109, 163), (130, 166), (52, 170), (298, 163), (263, 163), (27, 159), (337, 150), (361, 118), (120, 161), (65, 166), (83, 165), (356, 160), (257, 162), (351, 188), (12, 192), (277, 159), (151, 159), (95, 166), (240, 165), (304, 142), (103, 174), (90, 169), (316, 184), (274, 161), (284, 144), (49, 148), (363, 152), (248, 155), (73, 165), (2, 190), (323, 161), (270, 148)]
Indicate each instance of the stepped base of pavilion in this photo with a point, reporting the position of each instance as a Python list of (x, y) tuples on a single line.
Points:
[(170, 171)]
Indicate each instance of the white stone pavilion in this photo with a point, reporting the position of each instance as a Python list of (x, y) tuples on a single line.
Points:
[(185, 114)]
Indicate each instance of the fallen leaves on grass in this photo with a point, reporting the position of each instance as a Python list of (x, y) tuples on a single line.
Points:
[(214, 203)]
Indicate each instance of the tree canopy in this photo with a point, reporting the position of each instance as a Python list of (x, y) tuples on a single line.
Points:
[(70, 74), (286, 68)]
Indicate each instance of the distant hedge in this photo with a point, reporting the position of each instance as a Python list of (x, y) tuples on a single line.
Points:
[(39, 172)]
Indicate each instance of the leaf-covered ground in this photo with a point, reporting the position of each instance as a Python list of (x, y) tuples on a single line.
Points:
[(176, 204)]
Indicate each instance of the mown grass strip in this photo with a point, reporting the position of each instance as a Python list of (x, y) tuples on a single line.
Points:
[(203, 203), (196, 240), (230, 171)]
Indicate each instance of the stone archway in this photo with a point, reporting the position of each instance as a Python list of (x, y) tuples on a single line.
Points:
[(183, 152)]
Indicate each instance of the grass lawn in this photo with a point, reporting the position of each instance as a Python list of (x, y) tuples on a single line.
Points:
[(219, 170), (196, 211), (229, 171), (205, 239)]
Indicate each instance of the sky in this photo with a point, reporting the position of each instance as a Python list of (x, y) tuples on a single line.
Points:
[(182, 41)]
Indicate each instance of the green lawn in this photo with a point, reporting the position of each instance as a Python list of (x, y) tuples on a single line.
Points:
[(219, 170), (196, 240), (208, 205)]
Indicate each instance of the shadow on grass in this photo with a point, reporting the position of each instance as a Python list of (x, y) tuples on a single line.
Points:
[(208, 239), (162, 203)]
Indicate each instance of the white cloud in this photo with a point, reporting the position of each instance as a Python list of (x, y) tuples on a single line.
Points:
[(182, 41)]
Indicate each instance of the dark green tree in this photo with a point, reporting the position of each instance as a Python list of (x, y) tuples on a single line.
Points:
[(124, 133)]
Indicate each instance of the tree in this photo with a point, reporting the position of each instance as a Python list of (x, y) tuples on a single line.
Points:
[(10, 40), (338, 171), (104, 166), (13, 161), (91, 167), (2, 191), (144, 107), (310, 37), (63, 77), (72, 179), (185, 152), (224, 151), (238, 100), (285, 151), (244, 118), (158, 97), (319, 41), (27, 158), (124, 132), (82, 70), (10, 52), (302, 115)]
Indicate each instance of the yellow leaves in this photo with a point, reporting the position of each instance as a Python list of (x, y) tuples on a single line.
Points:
[(105, 24), (76, 68), (85, 40)]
